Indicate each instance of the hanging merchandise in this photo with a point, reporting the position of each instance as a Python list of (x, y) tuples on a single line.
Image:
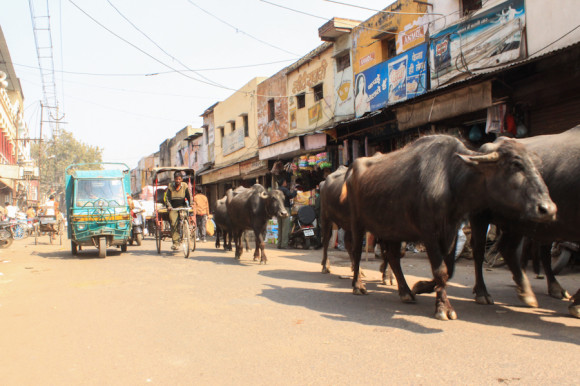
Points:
[(495, 119)]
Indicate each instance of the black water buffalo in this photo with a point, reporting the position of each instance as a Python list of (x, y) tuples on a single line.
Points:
[(334, 211), (224, 226), (251, 208), (422, 193), (558, 161)]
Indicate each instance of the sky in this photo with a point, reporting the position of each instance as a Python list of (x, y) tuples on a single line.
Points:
[(105, 52)]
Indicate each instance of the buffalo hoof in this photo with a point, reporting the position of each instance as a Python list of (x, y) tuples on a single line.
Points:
[(325, 270), (528, 299), (256, 258), (574, 310), (484, 299), (556, 291), (445, 315), (407, 298), (359, 291), (263, 262)]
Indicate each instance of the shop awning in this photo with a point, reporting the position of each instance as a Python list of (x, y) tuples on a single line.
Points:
[(451, 104), (293, 146)]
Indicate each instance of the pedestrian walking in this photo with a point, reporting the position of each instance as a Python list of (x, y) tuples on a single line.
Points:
[(284, 222), (201, 212)]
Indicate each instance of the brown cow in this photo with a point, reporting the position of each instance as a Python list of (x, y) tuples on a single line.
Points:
[(422, 193)]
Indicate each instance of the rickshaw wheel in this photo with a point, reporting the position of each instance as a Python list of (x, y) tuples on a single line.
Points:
[(102, 247), (73, 248), (124, 248), (139, 239), (192, 242), (158, 238), (185, 240), (36, 232), (50, 234)]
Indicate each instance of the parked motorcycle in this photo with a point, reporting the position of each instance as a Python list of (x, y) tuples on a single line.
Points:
[(564, 253), (7, 233), (303, 231), (137, 226)]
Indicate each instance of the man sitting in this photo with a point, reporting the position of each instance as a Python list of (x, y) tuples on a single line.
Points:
[(177, 195)]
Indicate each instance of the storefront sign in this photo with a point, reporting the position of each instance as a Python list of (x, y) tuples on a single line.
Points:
[(315, 141), (252, 165), (221, 174), (485, 41), (280, 148), (396, 80)]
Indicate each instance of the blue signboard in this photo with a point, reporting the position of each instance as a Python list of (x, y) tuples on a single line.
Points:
[(398, 79), (489, 39)]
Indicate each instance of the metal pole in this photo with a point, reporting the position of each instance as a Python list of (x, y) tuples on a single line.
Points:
[(40, 151)]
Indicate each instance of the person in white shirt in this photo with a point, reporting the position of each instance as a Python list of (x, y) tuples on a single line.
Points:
[(11, 210)]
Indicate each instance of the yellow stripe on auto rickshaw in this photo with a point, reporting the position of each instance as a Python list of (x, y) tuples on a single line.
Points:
[(117, 217)]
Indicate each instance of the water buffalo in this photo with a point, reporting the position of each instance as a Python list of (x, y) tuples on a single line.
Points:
[(251, 208), (224, 226), (332, 210), (423, 192), (558, 160)]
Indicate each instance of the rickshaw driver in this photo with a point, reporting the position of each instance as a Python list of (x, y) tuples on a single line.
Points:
[(177, 195)]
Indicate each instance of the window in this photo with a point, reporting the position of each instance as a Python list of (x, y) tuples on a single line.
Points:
[(301, 100), (342, 62), (222, 131), (389, 48), (318, 93), (233, 123), (271, 110), (246, 126), (470, 5)]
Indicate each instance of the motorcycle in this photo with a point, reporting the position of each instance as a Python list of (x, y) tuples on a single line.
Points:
[(137, 226), (10, 231), (303, 231)]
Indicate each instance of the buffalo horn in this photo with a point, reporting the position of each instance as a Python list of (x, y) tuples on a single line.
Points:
[(491, 157), (264, 195)]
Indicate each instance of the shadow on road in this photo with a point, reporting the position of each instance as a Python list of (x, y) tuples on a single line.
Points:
[(383, 308)]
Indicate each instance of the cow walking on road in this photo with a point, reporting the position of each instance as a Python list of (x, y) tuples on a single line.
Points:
[(224, 226), (424, 191), (251, 208)]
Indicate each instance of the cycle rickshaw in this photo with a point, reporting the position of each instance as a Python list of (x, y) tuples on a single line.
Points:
[(48, 224), (186, 220)]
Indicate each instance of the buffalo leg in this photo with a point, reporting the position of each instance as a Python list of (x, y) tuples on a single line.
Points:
[(326, 232), (217, 237), (245, 234), (238, 244), (259, 236), (478, 238), (575, 306), (555, 289), (357, 239), (507, 246), (443, 308), (393, 256)]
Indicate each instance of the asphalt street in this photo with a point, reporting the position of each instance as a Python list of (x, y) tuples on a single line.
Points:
[(141, 317)]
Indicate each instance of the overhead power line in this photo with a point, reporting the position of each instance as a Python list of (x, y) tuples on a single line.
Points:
[(240, 31)]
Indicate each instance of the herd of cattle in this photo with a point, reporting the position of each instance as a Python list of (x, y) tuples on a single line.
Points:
[(423, 192)]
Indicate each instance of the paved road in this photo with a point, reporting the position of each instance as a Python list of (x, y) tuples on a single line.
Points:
[(140, 317)]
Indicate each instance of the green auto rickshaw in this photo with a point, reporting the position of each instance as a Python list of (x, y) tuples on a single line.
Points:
[(97, 209)]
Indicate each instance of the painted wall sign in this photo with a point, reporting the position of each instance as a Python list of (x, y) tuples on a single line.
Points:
[(309, 79), (396, 80), (485, 41), (314, 113)]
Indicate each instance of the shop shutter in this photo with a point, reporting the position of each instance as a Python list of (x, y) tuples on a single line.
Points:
[(555, 118)]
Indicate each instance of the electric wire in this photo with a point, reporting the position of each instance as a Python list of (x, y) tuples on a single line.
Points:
[(240, 31)]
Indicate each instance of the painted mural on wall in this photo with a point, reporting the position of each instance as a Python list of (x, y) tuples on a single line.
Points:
[(487, 40), (272, 131), (396, 80)]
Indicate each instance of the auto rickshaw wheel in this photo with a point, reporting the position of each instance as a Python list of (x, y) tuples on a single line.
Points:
[(102, 247), (73, 248), (124, 248)]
